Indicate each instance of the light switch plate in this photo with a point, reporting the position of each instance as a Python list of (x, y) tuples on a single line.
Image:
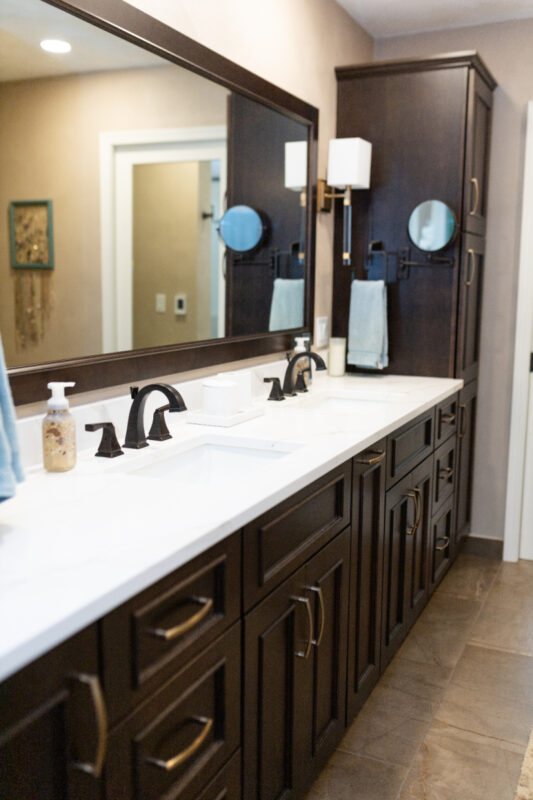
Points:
[(160, 303), (321, 331)]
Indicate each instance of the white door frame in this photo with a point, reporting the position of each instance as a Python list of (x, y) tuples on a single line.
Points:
[(119, 152), (516, 536)]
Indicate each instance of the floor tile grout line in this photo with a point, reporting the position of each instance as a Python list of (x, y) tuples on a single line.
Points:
[(480, 644), (371, 758), (438, 705)]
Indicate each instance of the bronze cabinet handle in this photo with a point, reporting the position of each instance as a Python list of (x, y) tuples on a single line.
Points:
[(464, 409), (475, 184), (168, 634), (449, 419), (305, 653), (100, 713), (373, 457), (414, 496), (471, 267), (189, 751), (319, 592), (446, 540), (446, 472)]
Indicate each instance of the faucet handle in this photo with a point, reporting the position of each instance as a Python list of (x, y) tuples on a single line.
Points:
[(109, 446), (276, 392), (300, 386), (159, 431)]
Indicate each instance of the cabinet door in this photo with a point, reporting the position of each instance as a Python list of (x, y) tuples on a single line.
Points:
[(327, 583), (53, 733), (469, 317), (278, 637), (441, 544), (405, 561), (477, 154), (364, 632), (466, 438)]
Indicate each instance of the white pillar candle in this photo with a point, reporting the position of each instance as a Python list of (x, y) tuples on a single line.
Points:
[(337, 356)]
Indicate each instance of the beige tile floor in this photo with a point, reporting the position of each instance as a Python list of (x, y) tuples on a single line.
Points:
[(451, 716)]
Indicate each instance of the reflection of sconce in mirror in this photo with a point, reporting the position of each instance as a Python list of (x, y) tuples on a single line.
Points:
[(348, 168), (296, 180)]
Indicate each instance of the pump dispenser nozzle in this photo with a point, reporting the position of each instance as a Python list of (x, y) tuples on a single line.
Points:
[(58, 400)]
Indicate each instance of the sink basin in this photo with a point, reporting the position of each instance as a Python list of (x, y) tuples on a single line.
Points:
[(350, 403), (210, 460)]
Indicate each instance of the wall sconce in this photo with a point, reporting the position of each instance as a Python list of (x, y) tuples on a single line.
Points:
[(348, 168), (296, 180)]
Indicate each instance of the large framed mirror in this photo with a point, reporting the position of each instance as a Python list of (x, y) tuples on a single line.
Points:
[(137, 142)]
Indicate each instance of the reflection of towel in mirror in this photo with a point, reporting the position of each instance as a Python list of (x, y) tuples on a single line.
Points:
[(368, 344), (287, 308), (10, 466)]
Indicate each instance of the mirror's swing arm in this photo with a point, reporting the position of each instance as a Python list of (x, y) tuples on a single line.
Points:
[(432, 261), (377, 248)]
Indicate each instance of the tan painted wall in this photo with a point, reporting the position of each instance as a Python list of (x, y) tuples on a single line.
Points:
[(507, 49), (49, 150), (293, 43)]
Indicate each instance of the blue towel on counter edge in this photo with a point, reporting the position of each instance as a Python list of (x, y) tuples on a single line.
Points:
[(11, 470), (287, 307), (368, 344)]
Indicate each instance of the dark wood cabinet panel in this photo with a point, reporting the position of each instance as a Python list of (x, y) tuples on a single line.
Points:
[(50, 737), (364, 631), (405, 562), (281, 540), (446, 415), (470, 297), (444, 473), (176, 741), (227, 784), (408, 446), (147, 639), (465, 468), (441, 542), (477, 152)]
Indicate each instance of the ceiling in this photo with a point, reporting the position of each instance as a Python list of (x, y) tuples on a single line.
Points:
[(383, 18), (24, 23)]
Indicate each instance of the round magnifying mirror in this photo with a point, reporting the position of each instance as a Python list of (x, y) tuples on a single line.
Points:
[(242, 229), (432, 226)]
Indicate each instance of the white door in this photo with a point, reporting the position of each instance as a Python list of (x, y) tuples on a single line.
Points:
[(119, 153)]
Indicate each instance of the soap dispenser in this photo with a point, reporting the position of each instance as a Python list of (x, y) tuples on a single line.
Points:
[(59, 431)]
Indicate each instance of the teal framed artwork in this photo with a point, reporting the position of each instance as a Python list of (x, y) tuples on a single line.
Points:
[(31, 234)]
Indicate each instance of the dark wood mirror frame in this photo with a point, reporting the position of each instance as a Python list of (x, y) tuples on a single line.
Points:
[(28, 384)]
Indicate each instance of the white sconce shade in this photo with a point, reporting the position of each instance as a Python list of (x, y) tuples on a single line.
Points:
[(349, 163), (296, 165)]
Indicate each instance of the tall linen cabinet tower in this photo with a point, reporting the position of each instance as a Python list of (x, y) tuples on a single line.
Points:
[(429, 124)]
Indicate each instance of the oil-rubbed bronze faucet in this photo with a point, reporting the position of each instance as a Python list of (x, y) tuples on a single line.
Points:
[(289, 384), (135, 435)]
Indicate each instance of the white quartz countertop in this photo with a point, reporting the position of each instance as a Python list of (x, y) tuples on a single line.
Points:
[(75, 545)]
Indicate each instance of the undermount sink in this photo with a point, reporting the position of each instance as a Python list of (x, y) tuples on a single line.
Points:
[(344, 403), (209, 460)]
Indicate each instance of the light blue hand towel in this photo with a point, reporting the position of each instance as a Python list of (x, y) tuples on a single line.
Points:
[(10, 464), (287, 308), (368, 344)]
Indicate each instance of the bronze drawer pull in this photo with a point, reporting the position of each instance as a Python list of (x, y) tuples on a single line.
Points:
[(446, 540), (189, 751), (414, 496), (464, 409), (471, 267), (446, 472), (172, 633), (305, 653), (320, 593), (100, 714), (475, 184), (374, 457), (449, 419)]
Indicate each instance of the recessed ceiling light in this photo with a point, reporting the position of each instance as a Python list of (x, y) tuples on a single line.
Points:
[(56, 46)]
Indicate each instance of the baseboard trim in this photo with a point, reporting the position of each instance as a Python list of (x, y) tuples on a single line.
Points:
[(481, 546)]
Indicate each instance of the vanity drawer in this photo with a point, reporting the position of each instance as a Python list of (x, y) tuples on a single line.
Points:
[(408, 446), (444, 473), (446, 419), (193, 721), (282, 539), (227, 784), (442, 536), (147, 639)]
